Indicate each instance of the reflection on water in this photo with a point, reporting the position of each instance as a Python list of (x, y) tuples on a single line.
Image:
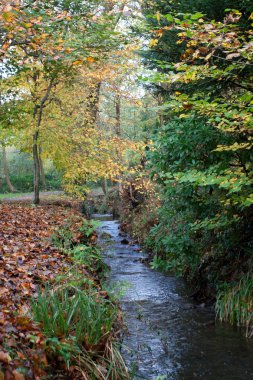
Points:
[(167, 333)]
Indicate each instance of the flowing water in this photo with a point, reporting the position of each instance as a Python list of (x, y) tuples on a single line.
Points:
[(168, 336)]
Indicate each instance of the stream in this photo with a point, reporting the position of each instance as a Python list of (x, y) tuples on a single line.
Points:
[(168, 335)]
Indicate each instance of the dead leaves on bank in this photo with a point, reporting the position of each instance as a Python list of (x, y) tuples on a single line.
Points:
[(27, 260)]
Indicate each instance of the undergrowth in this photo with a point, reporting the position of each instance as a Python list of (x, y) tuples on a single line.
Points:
[(235, 304), (77, 316)]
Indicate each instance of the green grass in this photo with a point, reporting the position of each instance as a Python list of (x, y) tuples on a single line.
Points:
[(76, 314), (47, 196), (13, 195), (78, 326), (235, 305)]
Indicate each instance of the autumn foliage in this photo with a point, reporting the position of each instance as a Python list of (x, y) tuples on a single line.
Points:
[(28, 262)]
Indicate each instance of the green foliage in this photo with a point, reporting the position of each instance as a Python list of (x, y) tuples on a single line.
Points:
[(235, 304), (70, 312), (24, 183), (202, 155), (86, 252), (89, 256), (88, 227), (63, 237), (21, 173), (78, 326)]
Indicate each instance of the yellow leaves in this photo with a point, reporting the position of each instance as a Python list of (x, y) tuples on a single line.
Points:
[(234, 147), (78, 62), (90, 59), (27, 25), (33, 46), (153, 42), (192, 43), (158, 17), (8, 16)]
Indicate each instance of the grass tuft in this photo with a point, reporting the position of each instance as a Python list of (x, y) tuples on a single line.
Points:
[(78, 326), (235, 305)]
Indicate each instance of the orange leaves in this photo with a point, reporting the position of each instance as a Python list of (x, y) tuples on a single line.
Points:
[(8, 17), (27, 260), (90, 59), (78, 62)]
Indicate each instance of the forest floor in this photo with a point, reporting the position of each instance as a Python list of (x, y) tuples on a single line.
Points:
[(29, 261)]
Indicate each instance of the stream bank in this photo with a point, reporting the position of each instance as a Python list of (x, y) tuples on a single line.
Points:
[(167, 333)]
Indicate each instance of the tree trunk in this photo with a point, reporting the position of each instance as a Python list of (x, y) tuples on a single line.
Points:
[(36, 168), (6, 170), (42, 172), (38, 112), (104, 186)]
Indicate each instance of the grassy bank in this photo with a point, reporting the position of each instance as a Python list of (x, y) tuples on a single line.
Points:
[(56, 319)]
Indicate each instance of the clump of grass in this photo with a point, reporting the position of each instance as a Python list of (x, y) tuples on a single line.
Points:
[(69, 312), (235, 305), (78, 326)]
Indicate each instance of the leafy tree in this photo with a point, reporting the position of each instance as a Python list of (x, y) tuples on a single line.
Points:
[(202, 156), (45, 43)]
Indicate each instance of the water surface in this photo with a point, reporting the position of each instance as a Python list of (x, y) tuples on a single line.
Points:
[(167, 333)]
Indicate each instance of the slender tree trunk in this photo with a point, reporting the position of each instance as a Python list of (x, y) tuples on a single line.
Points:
[(38, 112), (6, 170), (42, 172), (104, 186), (36, 168)]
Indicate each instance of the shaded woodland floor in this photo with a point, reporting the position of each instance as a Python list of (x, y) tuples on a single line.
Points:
[(31, 261)]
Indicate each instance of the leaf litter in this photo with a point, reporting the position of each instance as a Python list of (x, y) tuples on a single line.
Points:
[(28, 260)]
